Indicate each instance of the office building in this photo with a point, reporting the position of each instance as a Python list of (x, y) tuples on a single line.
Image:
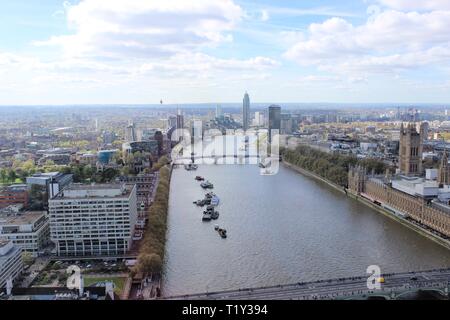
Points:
[(286, 124), (29, 231), (130, 133), (11, 264), (93, 220), (246, 112), (14, 194), (52, 182), (274, 120)]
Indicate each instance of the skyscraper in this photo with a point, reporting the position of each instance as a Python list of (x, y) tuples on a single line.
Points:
[(410, 150), (219, 112), (274, 120), (130, 134), (180, 125), (180, 120), (246, 112)]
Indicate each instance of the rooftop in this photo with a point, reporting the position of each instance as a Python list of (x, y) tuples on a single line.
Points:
[(78, 190), (29, 217)]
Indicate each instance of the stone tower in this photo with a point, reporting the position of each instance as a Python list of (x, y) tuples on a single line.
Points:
[(357, 179), (444, 171), (410, 153)]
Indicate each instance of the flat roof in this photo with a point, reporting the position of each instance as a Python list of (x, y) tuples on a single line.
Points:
[(23, 218), (94, 191)]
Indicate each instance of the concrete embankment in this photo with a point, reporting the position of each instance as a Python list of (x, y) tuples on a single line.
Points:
[(384, 211)]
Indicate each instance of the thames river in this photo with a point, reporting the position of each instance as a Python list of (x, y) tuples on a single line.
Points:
[(282, 229)]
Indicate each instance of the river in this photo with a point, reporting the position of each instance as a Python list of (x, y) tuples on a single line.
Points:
[(282, 229)]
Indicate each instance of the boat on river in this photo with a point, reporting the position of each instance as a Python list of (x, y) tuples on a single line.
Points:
[(222, 233), (207, 185), (191, 167)]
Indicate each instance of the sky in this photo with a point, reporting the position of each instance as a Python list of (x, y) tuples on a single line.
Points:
[(206, 51)]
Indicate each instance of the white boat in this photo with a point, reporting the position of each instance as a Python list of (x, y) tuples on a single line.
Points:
[(215, 200)]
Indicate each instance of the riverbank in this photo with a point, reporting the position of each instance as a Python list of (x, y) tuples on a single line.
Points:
[(152, 250), (423, 232)]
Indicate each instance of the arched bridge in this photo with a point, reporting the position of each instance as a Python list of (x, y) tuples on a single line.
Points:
[(395, 286)]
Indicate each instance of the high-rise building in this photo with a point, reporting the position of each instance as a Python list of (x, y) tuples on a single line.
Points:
[(171, 122), (180, 121), (219, 111), (90, 220), (286, 123), (424, 127), (410, 153), (274, 120), (130, 134), (179, 126), (246, 112)]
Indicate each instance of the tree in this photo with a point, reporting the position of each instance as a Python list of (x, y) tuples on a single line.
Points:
[(149, 263), (12, 176), (3, 175)]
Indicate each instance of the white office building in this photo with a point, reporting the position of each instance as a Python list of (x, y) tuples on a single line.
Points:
[(93, 220), (11, 264), (29, 231)]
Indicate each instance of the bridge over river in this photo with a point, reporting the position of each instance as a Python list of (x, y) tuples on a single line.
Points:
[(394, 287)]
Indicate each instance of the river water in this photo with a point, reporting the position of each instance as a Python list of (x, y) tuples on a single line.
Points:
[(282, 229)]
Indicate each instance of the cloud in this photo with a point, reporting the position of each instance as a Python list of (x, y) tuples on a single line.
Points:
[(265, 15), (203, 65), (389, 41), (145, 40), (145, 28), (407, 5)]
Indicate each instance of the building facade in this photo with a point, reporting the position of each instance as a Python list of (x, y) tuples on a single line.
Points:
[(444, 171), (130, 133), (51, 182), (274, 120), (145, 186), (14, 194), (410, 153), (426, 210), (93, 220), (29, 231), (11, 264), (246, 112)]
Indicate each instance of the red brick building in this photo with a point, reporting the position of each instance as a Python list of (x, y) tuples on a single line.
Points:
[(14, 194)]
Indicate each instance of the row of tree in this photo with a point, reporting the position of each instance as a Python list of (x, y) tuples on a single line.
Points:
[(331, 166), (151, 254)]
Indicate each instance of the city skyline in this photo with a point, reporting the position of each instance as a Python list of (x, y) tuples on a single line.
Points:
[(85, 52)]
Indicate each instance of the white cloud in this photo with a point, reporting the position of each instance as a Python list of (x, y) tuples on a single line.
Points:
[(265, 15), (145, 28), (389, 41), (417, 4), (139, 42)]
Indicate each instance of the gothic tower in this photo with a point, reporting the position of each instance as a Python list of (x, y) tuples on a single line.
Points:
[(357, 179), (410, 153)]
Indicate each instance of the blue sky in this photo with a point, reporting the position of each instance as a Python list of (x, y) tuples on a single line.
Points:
[(141, 51)]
